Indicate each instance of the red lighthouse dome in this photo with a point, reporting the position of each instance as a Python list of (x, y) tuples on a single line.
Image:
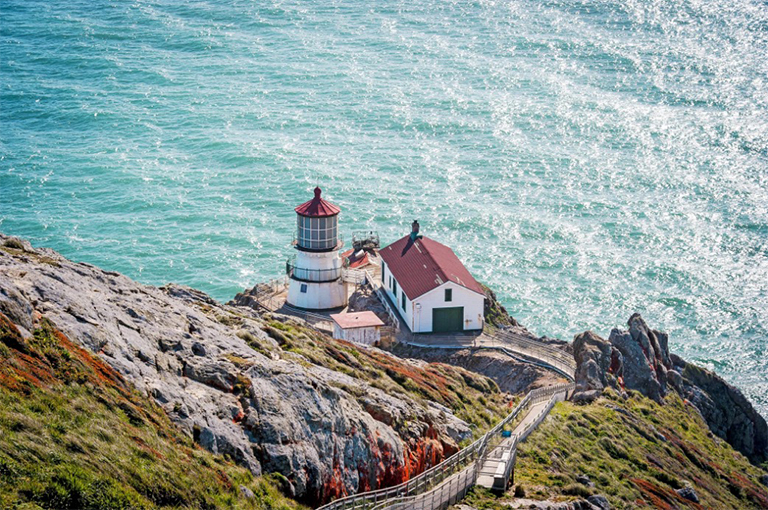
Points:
[(318, 207)]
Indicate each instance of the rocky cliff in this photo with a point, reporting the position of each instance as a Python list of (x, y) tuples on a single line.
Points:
[(266, 391), (639, 359), (75, 434)]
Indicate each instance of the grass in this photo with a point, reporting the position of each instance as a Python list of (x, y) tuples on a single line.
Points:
[(73, 434), (637, 453)]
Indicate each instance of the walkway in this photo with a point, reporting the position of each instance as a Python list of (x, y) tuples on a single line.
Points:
[(495, 463)]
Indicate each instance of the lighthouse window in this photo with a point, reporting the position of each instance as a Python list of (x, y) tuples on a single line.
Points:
[(449, 294), (304, 288)]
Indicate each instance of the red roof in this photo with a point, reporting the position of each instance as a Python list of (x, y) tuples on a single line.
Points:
[(357, 320), (318, 207), (423, 265), (355, 262)]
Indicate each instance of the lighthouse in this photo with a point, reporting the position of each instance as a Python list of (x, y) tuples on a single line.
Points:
[(315, 271)]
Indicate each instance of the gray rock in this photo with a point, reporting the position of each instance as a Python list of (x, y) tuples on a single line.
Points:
[(675, 380), (598, 364), (586, 397), (580, 504), (584, 480), (600, 502), (268, 411), (198, 349), (688, 493), (639, 359), (643, 362), (727, 411), (246, 492)]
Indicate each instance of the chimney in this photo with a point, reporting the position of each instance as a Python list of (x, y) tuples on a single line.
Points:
[(415, 230)]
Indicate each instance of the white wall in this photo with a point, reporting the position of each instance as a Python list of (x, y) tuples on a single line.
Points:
[(419, 319), (472, 302), (364, 336), (319, 296), (407, 313)]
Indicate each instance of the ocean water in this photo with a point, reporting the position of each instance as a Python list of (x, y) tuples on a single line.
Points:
[(587, 159)]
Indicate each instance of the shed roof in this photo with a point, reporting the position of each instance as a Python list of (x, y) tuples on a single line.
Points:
[(318, 207), (423, 264), (356, 262), (353, 320)]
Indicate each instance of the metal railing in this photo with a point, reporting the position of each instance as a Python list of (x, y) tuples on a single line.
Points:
[(466, 458), (518, 346), (366, 240), (356, 276), (311, 275), (447, 482), (556, 358), (315, 319), (263, 294)]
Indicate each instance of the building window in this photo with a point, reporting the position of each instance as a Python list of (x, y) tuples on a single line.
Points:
[(304, 288), (383, 272), (449, 294), (402, 301), (394, 287)]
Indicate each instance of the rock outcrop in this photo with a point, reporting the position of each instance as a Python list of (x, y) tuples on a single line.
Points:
[(221, 374), (511, 375), (639, 359), (598, 365), (495, 314)]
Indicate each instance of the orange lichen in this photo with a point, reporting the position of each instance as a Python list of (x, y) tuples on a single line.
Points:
[(49, 357), (660, 497), (144, 446)]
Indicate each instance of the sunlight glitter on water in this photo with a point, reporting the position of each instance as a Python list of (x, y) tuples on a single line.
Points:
[(587, 159)]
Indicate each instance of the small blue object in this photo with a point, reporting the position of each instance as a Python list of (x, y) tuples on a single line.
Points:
[(506, 433)]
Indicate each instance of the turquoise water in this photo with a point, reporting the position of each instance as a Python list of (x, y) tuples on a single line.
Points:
[(587, 159)]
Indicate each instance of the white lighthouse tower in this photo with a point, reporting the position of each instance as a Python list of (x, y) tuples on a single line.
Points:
[(315, 271)]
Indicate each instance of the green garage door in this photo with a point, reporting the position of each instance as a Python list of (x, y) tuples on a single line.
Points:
[(448, 320)]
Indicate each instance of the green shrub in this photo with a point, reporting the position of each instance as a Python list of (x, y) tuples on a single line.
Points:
[(14, 244), (577, 489)]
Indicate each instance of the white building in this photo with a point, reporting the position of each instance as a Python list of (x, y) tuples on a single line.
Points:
[(359, 327), (316, 282), (430, 287)]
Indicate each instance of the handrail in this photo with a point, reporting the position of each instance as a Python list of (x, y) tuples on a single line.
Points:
[(438, 473), (560, 360), (356, 276), (303, 274), (307, 316)]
